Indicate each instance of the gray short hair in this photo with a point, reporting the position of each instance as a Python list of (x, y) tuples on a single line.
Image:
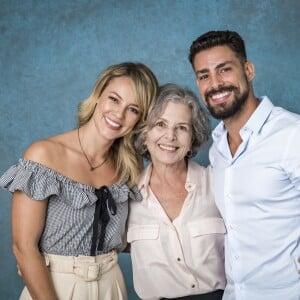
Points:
[(200, 122)]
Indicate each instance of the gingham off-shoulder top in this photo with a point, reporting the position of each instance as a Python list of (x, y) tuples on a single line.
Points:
[(76, 213)]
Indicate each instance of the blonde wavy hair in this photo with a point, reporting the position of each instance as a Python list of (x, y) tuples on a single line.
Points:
[(128, 162)]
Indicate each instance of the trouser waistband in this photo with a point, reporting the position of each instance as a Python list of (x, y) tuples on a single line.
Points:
[(89, 268)]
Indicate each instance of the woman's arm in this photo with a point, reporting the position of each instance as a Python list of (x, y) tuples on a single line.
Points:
[(28, 217)]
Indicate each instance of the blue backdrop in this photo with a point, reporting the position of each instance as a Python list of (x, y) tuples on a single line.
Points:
[(53, 51)]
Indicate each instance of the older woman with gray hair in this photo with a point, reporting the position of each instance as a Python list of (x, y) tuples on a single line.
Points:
[(176, 232)]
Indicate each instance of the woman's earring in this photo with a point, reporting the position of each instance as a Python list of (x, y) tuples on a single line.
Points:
[(189, 154)]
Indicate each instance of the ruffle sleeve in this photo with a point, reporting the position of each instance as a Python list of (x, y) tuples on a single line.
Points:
[(39, 182), (29, 178)]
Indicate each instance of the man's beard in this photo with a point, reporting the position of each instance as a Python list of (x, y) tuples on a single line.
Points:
[(222, 111)]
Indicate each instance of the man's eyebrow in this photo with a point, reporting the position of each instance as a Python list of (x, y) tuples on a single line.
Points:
[(202, 71), (221, 65)]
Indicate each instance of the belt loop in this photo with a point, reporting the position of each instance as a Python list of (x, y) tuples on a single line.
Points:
[(47, 259), (88, 271)]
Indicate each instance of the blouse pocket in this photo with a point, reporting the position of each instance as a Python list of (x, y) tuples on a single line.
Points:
[(207, 226), (145, 249), (142, 232), (207, 244)]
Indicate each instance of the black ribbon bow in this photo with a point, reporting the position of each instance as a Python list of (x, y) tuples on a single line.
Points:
[(104, 203)]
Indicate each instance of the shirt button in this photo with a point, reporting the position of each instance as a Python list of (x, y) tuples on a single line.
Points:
[(236, 257), (178, 259), (193, 285)]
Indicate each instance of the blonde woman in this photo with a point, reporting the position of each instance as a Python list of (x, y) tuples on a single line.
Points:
[(70, 193)]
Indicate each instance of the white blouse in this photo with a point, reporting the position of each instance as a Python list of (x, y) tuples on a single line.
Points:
[(180, 257)]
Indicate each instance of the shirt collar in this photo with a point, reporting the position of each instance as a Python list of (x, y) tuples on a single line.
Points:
[(191, 178), (260, 115), (255, 122), (143, 182)]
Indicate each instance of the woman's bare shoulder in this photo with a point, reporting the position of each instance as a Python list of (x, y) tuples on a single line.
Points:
[(48, 151)]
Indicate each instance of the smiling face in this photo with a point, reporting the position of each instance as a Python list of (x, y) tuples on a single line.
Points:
[(169, 140), (223, 80), (117, 111)]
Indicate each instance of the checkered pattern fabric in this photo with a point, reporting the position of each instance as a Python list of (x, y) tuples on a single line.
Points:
[(71, 206)]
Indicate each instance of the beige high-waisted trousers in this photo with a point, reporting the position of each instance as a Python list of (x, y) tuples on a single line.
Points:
[(85, 277)]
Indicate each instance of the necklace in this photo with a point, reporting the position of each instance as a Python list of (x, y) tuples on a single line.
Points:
[(86, 157)]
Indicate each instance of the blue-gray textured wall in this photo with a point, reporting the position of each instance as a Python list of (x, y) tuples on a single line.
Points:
[(52, 52)]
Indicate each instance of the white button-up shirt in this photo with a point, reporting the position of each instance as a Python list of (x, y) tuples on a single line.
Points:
[(183, 257), (258, 193)]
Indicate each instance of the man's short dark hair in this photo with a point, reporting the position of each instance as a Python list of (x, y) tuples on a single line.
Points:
[(212, 39)]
